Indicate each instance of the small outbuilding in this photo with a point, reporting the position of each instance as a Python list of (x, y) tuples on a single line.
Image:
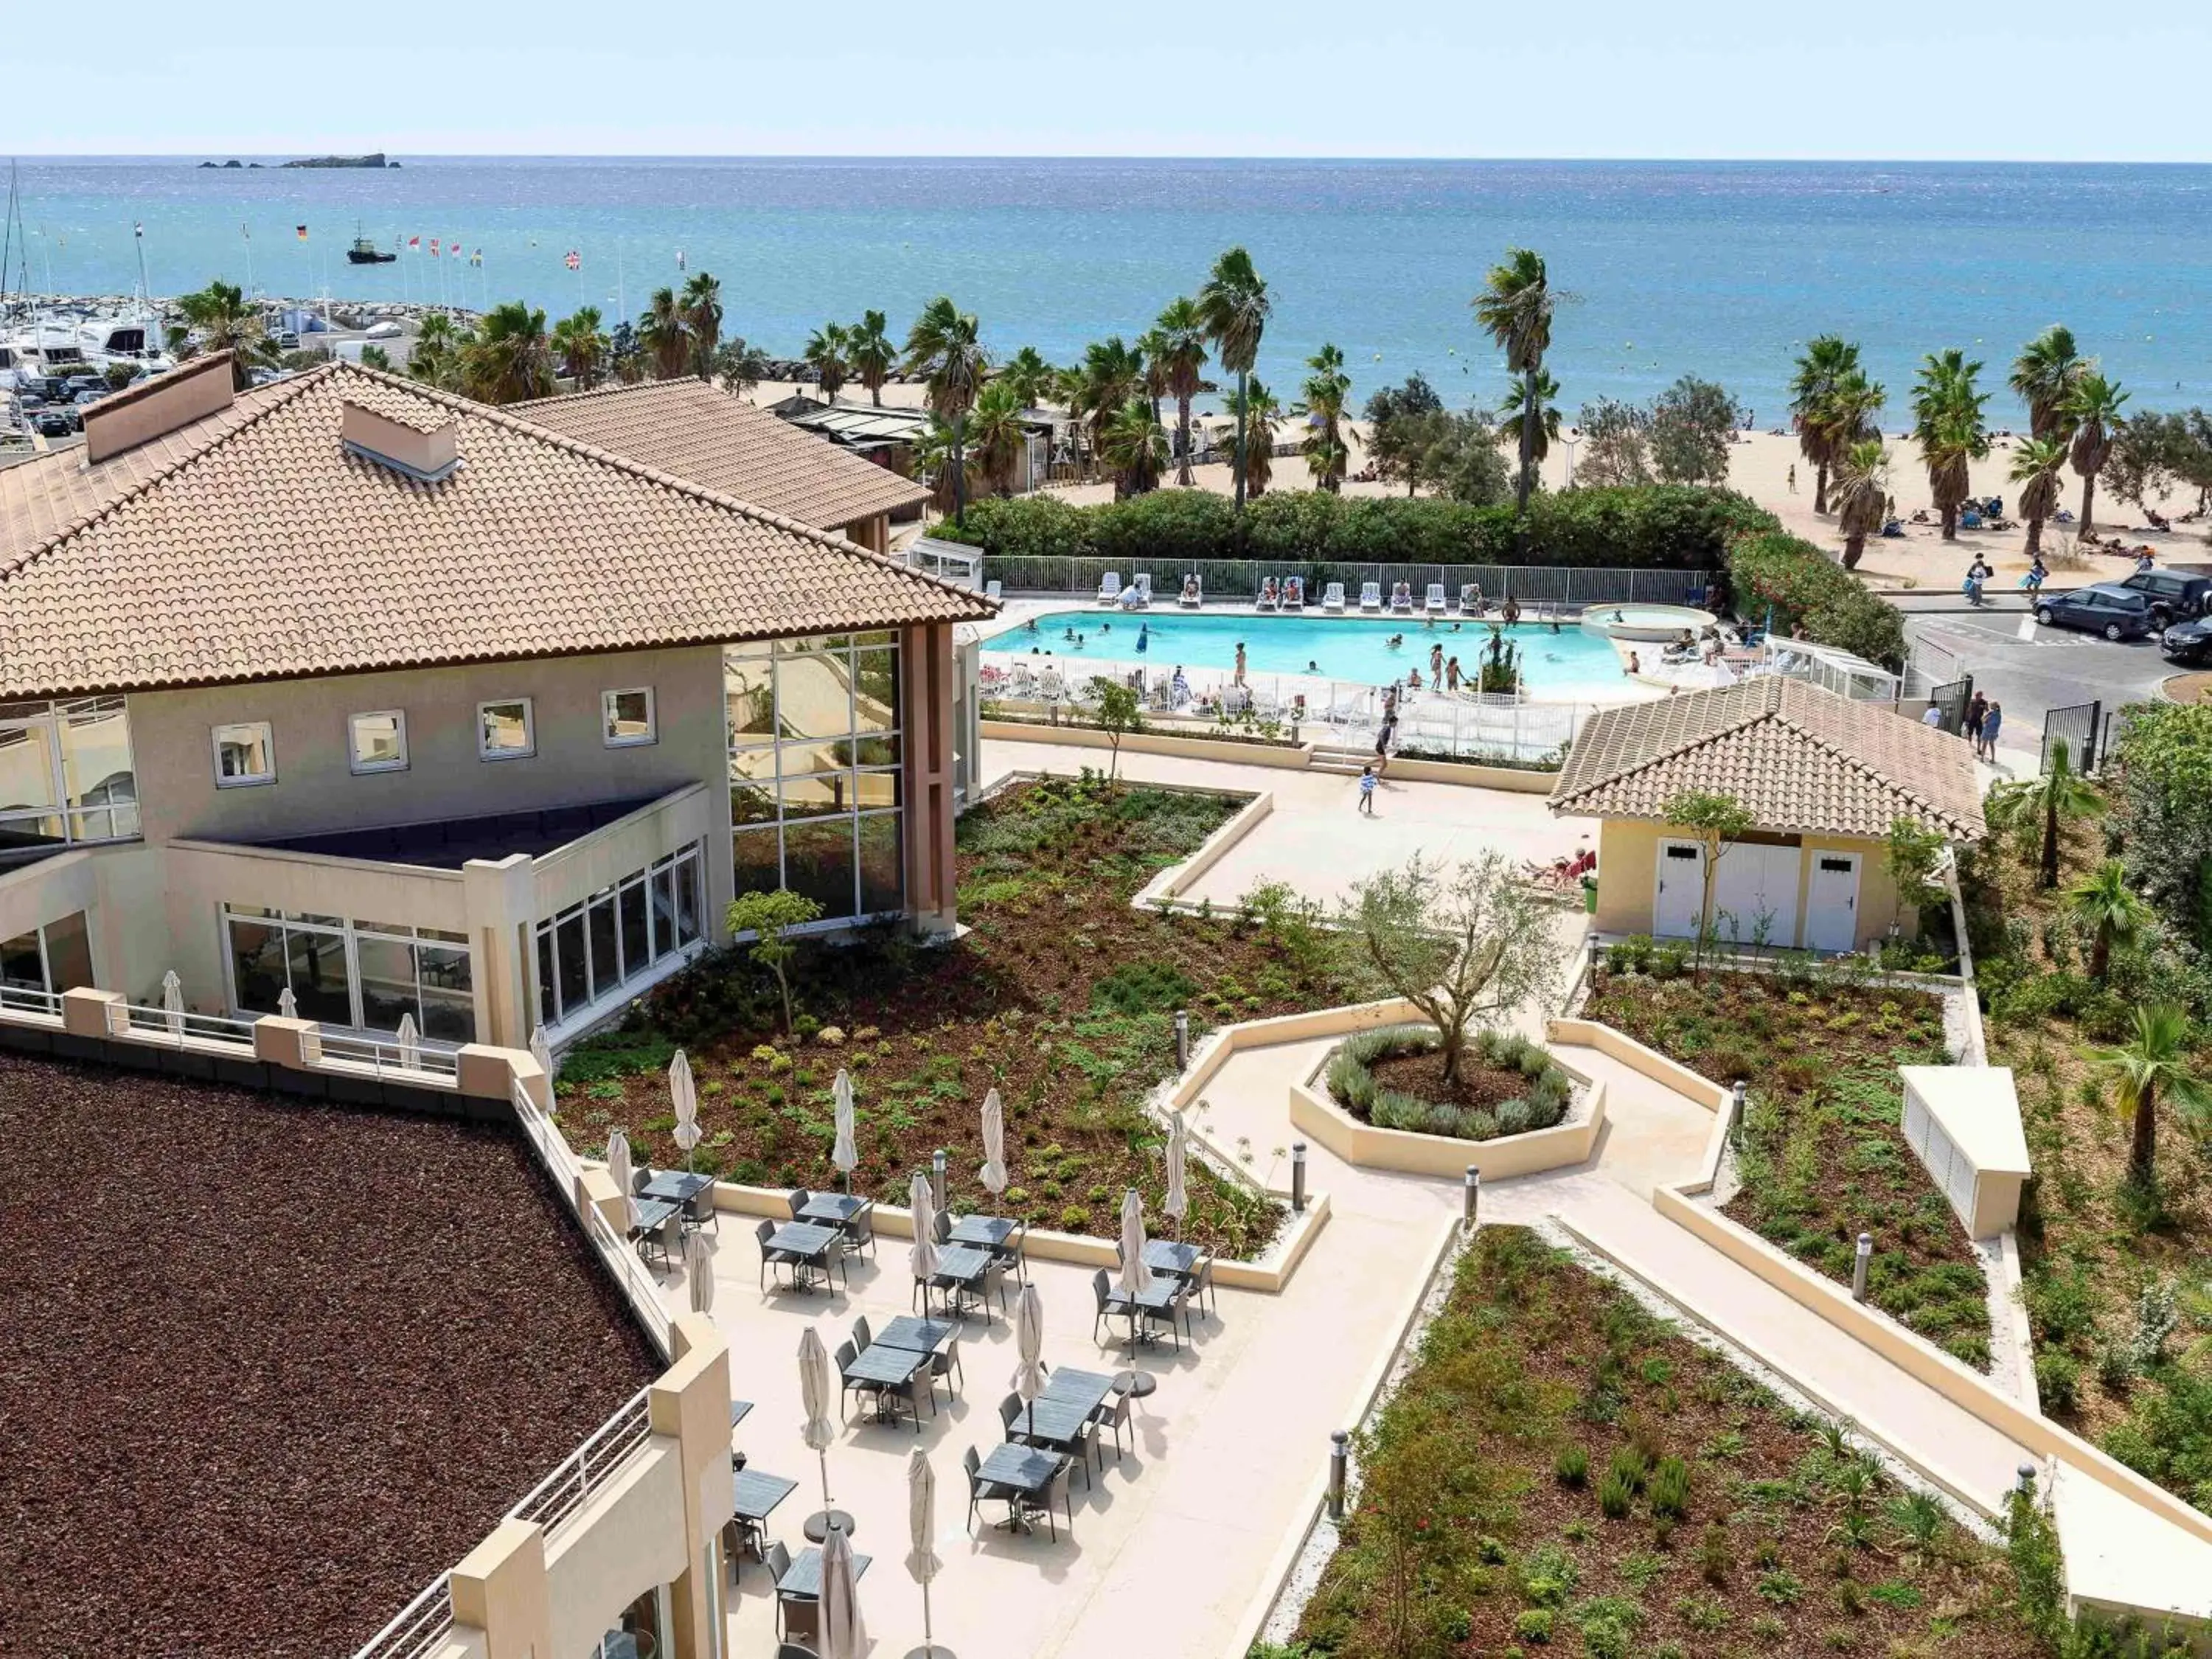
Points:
[(1963, 1121), (1824, 778)]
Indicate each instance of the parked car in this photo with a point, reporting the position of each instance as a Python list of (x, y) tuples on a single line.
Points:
[(2174, 595), (2189, 643), (53, 423), (2108, 608)]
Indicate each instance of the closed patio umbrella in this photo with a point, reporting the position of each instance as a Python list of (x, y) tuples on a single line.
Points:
[(683, 1094), (842, 1636), (699, 1272), (1177, 1200), (921, 1538), (923, 1253), (410, 1043), (814, 1399), (1028, 1348), (618, 1172), (1136, 1277), (173, 1002), (994, 1173), (288, 1005), (542, 1052), (844, 1154)]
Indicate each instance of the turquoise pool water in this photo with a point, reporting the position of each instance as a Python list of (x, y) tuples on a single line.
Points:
[(1568, 664)]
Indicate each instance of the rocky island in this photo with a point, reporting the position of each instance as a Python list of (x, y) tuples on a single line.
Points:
[(374, 160)]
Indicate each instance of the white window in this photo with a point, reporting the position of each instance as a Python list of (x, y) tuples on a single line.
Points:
[(505, 730), (244, 753), (377, 742), (626, 717)]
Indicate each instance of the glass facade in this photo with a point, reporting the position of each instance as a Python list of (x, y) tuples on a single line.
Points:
[(620, 933), (66, 773), (815, 780), (55, 957), (360, 973)]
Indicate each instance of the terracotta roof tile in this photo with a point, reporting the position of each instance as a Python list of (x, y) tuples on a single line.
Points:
[(1800, 757), (697, 431), (251, 545)]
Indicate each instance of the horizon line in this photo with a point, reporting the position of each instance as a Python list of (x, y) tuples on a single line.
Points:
[(1103, 156)]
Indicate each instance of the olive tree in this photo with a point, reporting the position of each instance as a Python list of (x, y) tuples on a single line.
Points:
[(769, 916), (1718, 821), (1465, 945), (1120, 712)]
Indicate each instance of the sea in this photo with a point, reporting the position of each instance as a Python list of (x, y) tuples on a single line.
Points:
[(1722, 269)]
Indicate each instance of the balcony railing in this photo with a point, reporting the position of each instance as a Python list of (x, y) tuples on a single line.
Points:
[(175, 1027), (388, 1057), (421, 1627), (587, 1468), (24, 999)]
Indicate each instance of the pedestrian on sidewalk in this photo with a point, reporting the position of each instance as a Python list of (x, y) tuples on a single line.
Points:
[(1367, 790), (1975, 711), (1990, 724)]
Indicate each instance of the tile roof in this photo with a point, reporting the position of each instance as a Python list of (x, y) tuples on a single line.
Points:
[(700, 432), (249, 544), (1800, 757)]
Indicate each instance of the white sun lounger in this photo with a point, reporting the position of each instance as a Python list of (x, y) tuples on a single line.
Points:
[(1370, 596), (1263, 600), (1193, 591), (1401, 598), (1110, 587), (1435, 605), (1139, 594), (1294, 594), (1470, 599), (1332, 597)]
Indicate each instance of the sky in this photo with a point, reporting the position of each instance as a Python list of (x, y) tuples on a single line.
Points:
[(2029, 80)]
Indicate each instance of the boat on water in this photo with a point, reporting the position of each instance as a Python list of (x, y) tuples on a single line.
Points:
[(366, 253)]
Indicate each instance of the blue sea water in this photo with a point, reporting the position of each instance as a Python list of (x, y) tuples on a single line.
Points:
[(1719, 269)]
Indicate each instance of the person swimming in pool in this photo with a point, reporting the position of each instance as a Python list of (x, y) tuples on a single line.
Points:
[(1144, 638), (1031, 625), (1312, 667), (1395, 641), (1069, 634)]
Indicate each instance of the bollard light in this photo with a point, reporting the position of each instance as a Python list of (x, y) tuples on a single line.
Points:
[(1473, 1194), (1340, 1458), (936, 1179), (1182, 1038), (1596, 956), (1859, 1266), (1298, 1177), (1735, 1097), (2027, 1480)]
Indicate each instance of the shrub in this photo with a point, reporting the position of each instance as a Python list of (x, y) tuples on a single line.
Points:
[(1533, 1624), (1515, 1117), (1771, 569), (1716, 1555), (1572, 1467), (2057, 1381), (1615, 1496), (1669, 1488), (1629, 1465)]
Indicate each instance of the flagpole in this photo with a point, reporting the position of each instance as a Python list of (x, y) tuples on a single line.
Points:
[(247, 232)]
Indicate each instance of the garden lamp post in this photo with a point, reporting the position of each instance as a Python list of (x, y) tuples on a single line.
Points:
[(1859, 1262), (1340, 1455)]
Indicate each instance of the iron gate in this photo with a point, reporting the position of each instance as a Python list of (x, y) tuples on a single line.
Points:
[(2080, 728), (1951, 700)]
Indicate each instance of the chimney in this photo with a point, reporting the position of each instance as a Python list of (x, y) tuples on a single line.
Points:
[(154, 408), (417, 444)]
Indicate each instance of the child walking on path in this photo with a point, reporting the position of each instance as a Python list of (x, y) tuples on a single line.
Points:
[(1367, 790)]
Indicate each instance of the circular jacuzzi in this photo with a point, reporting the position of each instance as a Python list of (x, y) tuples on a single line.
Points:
[(1651, 622)]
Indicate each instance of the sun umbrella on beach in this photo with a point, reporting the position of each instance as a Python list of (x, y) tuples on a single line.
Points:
[(173, 1002), (814, 1400), (844, 1154), (921, 1535), (1136, 1277), (842, 1636), (410, 1043), (1177, 1200), (994, 1173), (699, 1272), (683, 1094), (1029, 1347), (923, 1253)]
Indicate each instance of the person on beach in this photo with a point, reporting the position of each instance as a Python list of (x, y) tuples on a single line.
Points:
[(1240, 662), (1367, 790), (1793, 480)]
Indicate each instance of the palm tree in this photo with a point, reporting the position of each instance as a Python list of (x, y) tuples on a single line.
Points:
[(1827, 360), (873, 356), (1254, 411), (1516, 308), (227, 323), (582, 347), (2035, 467), (1861, 495), (1846, 418), (1541, 432), (2114, 912), (2094, 409), (1233, 308), (1946, 410), (1327, 391), (829, 349), (739, 366), (1110, 375), (945, 349), (1151, 353), (2044, 377), (702, 316), (435, 358), (664, 334), (511, 359), (1181, 356), (1135, 445), (1032, 379), (2156, 1063), (939, 455), (996, 431), (2038, 806)]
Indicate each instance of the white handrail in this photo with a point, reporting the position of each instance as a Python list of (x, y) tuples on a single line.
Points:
[(419, 1627), (133, 1019), (416, 1062), (584, 1470), (22, 999)]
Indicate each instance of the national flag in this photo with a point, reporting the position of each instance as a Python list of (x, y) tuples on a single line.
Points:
[(246, 231), (414, 244), (301, 232), (476, 257), (679, 258), (138, 229), (433, 247), (575, 261)]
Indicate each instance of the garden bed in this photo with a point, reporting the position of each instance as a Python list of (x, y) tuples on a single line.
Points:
[(1394, 1079), (1562, 1471), (1821, 1152), (1061, 996)]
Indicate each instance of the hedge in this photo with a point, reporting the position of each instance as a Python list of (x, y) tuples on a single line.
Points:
[(1804, 586)]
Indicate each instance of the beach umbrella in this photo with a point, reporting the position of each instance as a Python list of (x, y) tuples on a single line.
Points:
[(410, 1043), (993, 1172), (683, 1094), (1177, 1200), (1028, 1348), (542, 1052), (699, 1272), (844, 1154), (1136, 1277), (921, 1535), (923, 1254), (814, 1399), (842, 1637), (287, 1004), (173, 1002)]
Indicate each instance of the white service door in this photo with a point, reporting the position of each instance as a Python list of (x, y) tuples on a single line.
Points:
[(1832, 909), (1752, 879), (1681, 889)]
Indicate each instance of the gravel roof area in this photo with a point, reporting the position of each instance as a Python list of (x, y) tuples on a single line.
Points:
[(248, 1342)]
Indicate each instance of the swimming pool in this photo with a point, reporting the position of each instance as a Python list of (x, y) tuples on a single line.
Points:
[(1569, 665)]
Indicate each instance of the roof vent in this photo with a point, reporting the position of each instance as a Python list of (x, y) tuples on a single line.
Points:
[(154, 408), (417, 441)]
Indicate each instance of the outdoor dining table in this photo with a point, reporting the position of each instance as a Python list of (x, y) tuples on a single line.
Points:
[(1024, 1470), (1159, 1299), (753, 1495), (1165, 1255), (653, 1214), (676, 1186), (803, 1576), (739, 1410), (923, 1335), (806, 1240), (985, 1232), (831, 1209), (1059, 1414), (958, 1267), (892, 1368)]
